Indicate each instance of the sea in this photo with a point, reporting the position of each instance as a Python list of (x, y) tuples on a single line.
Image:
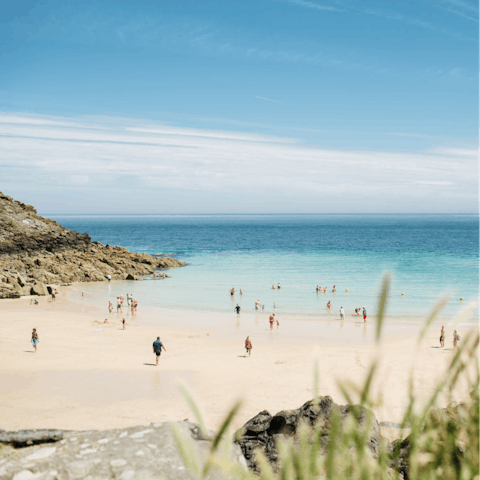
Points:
[(428, 256)]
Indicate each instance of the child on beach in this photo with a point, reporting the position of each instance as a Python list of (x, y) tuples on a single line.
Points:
[(364, 314), (456, 338), (123, 323), (248, 346), (276, 319), (35, 339)]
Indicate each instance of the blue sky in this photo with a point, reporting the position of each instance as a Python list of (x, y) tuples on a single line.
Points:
[(238, 107)]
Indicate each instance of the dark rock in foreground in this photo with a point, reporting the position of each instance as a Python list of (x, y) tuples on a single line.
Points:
[(137, 453), (36, 252), (264, 430)]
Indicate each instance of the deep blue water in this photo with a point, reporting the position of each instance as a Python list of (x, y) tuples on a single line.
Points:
[(427, 254)]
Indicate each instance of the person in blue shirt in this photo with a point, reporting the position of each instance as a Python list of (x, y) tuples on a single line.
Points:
[(364, 314), (157, 349)]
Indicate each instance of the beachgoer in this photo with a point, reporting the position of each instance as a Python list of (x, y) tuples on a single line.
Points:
[(135, 304), (121, 300), (279, 286), (31, 301), (263, 307), (342, 314), (35, 339), (241, 293), (276, 319), (53, 296), (237, 309), (154, 276), (123, 323), (163, 275), (157, 349), (274, 306), (325, 290), (271, 320), (364, 314), (334, 289), (232, 291), (105, 321), (329, 304), (257, 304), (119, 306), (274, 287), (248, 346), (83, 295), (442, 336), (35, 302), (456, 338), (109, 277)]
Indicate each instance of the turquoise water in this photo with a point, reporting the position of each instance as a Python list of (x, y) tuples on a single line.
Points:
[(428, 255)]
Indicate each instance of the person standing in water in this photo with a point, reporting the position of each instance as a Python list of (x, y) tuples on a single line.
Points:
[(257, 304), (241, 293), (364, 315), (248, 346), (329, 304), (35, 339), (442, 337), (342, 314), (334, 289), (232, 291), (237, 309)]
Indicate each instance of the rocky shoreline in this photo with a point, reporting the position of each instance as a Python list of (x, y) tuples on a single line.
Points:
[(36, 252)]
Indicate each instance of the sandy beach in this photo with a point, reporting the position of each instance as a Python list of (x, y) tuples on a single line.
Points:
[(91, 375)]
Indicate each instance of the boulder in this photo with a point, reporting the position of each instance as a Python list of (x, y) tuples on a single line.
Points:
[(263, 430), (38, 289)]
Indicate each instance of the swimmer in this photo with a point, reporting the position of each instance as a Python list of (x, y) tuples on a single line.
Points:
[(334, 289), (329, 304), (279, 286), (318, 288), (274, 287), (257, 304), (232, 291)]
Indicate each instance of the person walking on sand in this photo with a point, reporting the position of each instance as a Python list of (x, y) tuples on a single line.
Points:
[(123, 323), (342, 313), (35, 339), (364, 315), (329, 304), (248, 346), (271, 320), (157, 349), (237, 309), (442, 337)]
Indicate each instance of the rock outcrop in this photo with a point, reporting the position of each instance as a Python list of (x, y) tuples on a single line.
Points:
[(264, 430), (127, 454), (36, 251)]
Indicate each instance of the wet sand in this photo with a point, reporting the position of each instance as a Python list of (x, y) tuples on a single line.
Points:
[(87, 374)]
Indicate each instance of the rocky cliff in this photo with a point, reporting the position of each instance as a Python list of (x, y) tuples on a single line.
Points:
[(36, 252)]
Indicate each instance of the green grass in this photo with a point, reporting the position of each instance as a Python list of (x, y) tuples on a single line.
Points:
[(444, 443)]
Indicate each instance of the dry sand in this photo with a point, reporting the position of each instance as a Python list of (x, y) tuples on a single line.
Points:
[(90, 375)]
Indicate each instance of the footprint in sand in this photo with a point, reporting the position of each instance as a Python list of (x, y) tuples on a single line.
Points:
[(279, 363)]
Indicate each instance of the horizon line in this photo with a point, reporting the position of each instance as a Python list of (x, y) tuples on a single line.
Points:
[(257, 214)]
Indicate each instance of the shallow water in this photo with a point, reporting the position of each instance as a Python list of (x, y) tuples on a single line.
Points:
[(428, 255)]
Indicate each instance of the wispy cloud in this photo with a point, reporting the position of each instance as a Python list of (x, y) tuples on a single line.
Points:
[(270, 100), (314, 5), (74, 155)]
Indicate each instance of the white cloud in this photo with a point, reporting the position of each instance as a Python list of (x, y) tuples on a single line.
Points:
[(63, 154)]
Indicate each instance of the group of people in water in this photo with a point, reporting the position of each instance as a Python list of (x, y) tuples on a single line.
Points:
[(456, 338), (132, 304)]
